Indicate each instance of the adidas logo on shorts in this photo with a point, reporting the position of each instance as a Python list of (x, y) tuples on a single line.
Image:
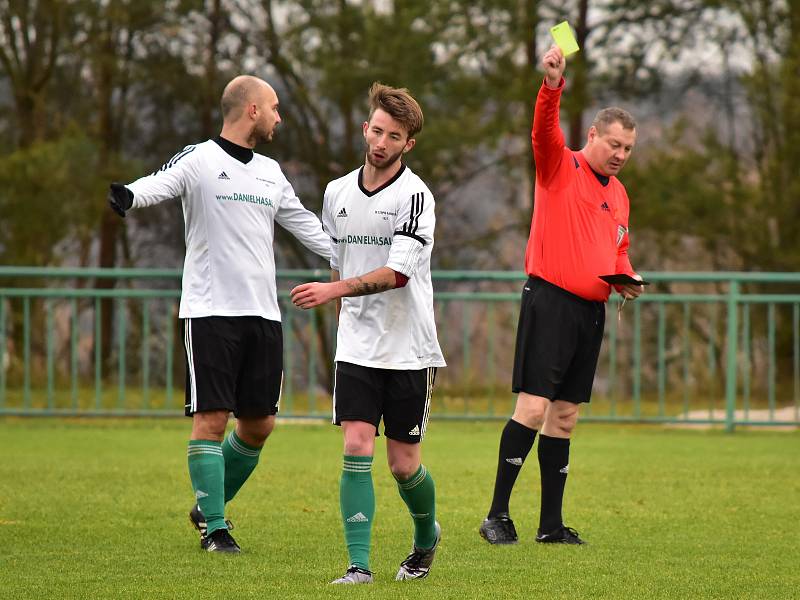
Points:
[(514, 461), (414, 431), (359, 517), (564, 470)]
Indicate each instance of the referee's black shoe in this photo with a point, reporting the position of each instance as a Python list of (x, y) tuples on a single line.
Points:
[(562, 535), (499, 530), (198, 520), (220, 540)]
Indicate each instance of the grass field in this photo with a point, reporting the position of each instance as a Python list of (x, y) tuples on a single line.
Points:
[(97, 509)]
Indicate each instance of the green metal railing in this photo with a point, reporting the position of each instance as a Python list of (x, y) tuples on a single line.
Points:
[(697, 348)]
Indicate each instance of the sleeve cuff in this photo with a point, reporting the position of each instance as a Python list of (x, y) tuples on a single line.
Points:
[(555, 90)]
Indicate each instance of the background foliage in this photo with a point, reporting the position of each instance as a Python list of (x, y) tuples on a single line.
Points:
[(95, 91)]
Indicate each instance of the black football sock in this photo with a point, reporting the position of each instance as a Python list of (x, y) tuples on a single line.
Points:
[(553, 466), (515, 443)]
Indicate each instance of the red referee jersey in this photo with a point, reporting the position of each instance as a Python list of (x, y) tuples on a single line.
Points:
[(579, 228)]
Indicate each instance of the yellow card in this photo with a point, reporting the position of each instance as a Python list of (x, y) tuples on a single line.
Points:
[(562, 34)]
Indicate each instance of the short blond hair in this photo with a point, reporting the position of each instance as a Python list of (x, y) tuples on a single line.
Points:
[(612, 114), (399, 104)]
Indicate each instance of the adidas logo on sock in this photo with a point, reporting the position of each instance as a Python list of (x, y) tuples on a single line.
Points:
[(419, 515), (514, 461), (564, 470), (359, 517), (223, 175), (200, 494), (414, 431), (342, 213)]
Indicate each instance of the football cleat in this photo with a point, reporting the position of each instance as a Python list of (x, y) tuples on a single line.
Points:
[(220, 540), (417, 565), (561, 535), (499, 530), (354, 575)]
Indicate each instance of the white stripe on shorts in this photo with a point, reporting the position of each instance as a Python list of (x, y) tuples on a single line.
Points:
[(333, 396), (187, 342), (428, 394)]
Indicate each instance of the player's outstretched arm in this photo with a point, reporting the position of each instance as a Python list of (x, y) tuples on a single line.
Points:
[(309, 295), (120, 198)]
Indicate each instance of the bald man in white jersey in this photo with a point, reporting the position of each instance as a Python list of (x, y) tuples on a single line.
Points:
[(381, 219), (232, 198)]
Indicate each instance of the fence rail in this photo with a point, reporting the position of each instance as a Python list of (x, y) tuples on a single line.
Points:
[(699, 348)]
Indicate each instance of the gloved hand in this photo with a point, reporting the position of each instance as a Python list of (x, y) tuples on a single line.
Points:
[(120, 198)]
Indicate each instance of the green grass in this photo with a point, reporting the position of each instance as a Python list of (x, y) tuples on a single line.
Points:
[(97, 509)]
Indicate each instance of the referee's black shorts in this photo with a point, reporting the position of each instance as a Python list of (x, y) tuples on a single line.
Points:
[(558, 343), (233, 364)]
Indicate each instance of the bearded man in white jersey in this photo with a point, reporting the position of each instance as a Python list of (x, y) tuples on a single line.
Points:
[(232, 198), (380, 219)]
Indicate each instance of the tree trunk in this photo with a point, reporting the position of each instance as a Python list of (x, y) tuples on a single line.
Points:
[(579, 94), (215, 20)]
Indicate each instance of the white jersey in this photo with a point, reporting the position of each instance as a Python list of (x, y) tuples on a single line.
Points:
[(230, 209), (393, 227)]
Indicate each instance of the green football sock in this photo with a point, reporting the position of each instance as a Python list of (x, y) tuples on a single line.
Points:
[(357, 501), (207, 472), (240, 460), (419, 494)]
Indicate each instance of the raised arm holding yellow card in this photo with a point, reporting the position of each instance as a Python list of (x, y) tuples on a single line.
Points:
[(562, 34)]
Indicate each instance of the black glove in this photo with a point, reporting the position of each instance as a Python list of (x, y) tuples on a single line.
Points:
[(120, 199)]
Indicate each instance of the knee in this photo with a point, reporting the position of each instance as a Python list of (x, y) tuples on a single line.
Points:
[(562, 423), (402, 470), (255, 431), (358, 445), (530, 413), (565, 427), (209, 425)]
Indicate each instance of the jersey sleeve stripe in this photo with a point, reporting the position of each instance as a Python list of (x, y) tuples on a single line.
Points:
[(417, 203), (411, 235), (171, 162), (418, 212)]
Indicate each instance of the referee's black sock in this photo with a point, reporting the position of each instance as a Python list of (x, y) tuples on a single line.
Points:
[(515, 443), (553, 466)]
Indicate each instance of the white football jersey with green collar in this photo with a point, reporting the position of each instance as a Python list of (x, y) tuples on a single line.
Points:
[(230, 209), (391, 226)]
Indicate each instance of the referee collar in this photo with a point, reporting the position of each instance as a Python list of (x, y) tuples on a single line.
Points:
[(603, 179), (240, 153)]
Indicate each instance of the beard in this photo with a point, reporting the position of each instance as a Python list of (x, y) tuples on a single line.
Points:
[(386, 162), (261, 134)]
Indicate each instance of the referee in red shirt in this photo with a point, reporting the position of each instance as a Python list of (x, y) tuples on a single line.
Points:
[(579, 231)]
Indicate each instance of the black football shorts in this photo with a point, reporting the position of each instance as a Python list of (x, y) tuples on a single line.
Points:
[(558, 343), (233, 364)]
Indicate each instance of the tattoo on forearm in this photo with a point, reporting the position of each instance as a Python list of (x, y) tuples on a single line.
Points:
[(359, 287)]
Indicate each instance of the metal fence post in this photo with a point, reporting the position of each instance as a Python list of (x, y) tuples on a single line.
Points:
[(730, 369)]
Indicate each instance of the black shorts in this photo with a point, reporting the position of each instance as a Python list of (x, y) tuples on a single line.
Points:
[(233, 364), (402, 398), (558, 342)]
